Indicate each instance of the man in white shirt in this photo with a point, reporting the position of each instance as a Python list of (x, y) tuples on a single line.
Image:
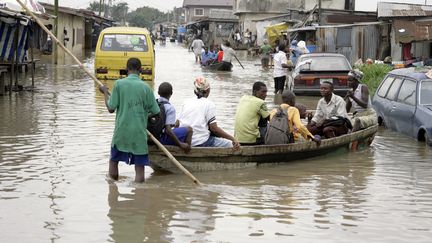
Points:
[(280, 62), (200, 114), (228, 55), (328, 108), (197, 46)]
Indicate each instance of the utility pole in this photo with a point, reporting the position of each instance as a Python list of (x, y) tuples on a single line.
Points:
[(56, 33), (319, 12), (100, 7)]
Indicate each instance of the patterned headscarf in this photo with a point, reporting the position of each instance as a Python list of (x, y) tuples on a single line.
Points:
[(356, 74), (201, 84)]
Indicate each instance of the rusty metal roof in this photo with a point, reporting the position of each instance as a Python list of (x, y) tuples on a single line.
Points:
[(392, 10)]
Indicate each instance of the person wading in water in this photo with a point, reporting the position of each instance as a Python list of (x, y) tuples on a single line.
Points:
[(132, 100)]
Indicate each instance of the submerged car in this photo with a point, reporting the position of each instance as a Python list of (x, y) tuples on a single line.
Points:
[(315, 68), (403, 103)]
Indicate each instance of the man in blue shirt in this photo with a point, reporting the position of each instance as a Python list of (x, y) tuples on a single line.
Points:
[(206, 57), (180, 136)]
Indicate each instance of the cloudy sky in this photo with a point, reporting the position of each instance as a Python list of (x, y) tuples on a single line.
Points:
[(165, 5), (371, 5)]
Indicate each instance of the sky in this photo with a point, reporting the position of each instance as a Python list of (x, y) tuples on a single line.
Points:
[(167, 5), (371, 5), (163, 5)]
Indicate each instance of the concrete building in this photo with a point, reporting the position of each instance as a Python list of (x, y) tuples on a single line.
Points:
[(71, 27), (78, 29), (199, 9), (215, 28)]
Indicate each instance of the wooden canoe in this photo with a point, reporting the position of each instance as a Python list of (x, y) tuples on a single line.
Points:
[(217, 66), (210, 158)]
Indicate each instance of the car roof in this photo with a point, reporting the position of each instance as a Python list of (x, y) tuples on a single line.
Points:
[(415, 73), (125, 30)]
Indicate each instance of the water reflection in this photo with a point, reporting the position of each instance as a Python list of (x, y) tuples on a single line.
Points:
[(54, 146)]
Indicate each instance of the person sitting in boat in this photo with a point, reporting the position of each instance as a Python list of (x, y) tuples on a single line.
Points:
[(200, 114), (300, 132), (250, 110), (180, 136), (213, 51), (302, 110), (219, 54), (358, 98), (228, 55), (330, 110), (206, 57)]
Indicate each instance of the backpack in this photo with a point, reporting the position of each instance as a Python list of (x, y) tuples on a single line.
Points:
[(156, 124), (278, 131)]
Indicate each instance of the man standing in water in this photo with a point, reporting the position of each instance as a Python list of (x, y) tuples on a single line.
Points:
[(228, 54), (281, 65), (197, 46), (265, 54), (133, 100)]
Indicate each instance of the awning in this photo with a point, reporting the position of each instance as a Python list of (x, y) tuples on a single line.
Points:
[(7, 33), (276, 31)]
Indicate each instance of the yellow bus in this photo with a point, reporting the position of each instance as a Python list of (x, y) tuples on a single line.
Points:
[(116, 45)]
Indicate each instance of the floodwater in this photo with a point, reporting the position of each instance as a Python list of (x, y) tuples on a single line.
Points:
[(54, 148)]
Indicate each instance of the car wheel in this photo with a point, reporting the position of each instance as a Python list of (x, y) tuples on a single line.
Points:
[(381, 122)]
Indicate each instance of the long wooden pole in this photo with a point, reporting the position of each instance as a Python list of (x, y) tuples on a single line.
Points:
[(238, 61), (161, 147)]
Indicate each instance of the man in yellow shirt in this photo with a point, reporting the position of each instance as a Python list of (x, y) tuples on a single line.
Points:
[(295, 124), (250, 110)]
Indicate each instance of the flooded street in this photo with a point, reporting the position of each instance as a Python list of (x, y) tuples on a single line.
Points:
[(54, 150)]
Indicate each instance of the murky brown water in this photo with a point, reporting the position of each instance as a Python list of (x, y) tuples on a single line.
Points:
[(54, 147)]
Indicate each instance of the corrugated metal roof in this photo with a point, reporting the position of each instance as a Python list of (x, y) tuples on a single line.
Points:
[(311, 28), (225, 3), (391, 10)]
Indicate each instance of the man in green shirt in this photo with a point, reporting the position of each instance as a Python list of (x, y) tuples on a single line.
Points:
[(251, 109), (133, 100), (265, 54)]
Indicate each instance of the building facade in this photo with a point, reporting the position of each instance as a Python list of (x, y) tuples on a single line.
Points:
[(195, 10)]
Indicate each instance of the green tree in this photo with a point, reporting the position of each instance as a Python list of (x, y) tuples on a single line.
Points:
[(145, 17), (119, 12), (93, 6)]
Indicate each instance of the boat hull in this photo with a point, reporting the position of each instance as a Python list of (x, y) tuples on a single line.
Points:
[(208, 159), (218, 67)]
